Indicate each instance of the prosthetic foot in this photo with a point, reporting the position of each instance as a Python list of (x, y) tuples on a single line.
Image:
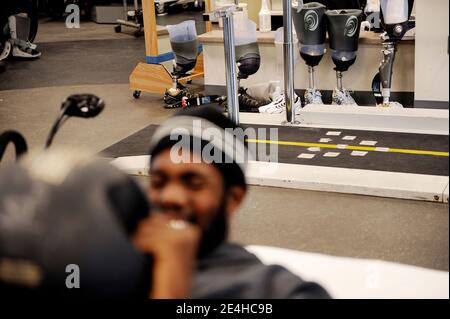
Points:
[(343, 27), (310, 24), (395, 16)]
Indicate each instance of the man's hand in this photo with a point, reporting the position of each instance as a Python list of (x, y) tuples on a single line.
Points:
[(173, 245)]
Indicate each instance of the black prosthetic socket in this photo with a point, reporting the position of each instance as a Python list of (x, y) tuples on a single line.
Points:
[(343, 66), (181, 70), (311, 60), (248, 65)]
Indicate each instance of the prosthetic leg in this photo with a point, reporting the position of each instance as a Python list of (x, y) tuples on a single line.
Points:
[(248, 60), (395, 16), (343, 28), (310, 24), (184, 43)]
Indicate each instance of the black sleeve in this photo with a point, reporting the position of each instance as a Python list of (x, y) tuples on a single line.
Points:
[(286, 285)]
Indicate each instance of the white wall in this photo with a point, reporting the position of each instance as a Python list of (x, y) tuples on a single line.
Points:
[(432, 60)]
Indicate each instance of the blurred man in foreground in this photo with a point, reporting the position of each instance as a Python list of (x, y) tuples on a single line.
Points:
[(193, 199)]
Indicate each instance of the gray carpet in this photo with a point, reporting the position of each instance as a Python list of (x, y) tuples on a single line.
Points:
[(75, 63)]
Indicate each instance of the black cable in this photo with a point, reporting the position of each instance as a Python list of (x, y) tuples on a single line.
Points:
[(57, 125), (17, 139)]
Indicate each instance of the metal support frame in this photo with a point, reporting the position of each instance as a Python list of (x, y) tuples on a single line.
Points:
[(125, 19), (312, 83), (288, 51), (231, 68), (339, 83), (386, 70), (226, 14)]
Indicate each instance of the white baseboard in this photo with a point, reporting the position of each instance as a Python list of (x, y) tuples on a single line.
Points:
[(327, 179), (420, 121)]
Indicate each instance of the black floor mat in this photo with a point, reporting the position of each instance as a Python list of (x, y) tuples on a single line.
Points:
[(138, 144)]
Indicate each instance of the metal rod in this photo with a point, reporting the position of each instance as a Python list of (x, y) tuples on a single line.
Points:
[(288, 50), (125, 9), (230, 67), (340, 86), (128, 23), (311, 77)]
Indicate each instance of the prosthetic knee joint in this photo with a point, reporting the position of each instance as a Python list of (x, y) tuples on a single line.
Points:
[(395, 16)]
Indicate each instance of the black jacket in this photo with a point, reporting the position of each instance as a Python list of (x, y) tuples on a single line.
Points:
[(231, 272)]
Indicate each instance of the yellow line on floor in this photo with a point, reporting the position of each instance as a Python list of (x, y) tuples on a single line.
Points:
[(350, 147)]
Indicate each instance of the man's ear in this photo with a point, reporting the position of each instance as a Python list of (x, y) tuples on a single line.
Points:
[(235, 197)]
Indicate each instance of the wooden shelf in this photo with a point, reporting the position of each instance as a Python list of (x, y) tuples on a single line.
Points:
[(216, 36)]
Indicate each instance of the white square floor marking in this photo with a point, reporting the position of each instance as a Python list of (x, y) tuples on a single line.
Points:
[(331, 154), (306, 156)]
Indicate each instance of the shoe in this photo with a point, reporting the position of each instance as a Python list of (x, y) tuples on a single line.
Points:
[(278, 104), (343, 97), (391, 104), (173, 98), (247, 102), (313, 96), (28, 53)]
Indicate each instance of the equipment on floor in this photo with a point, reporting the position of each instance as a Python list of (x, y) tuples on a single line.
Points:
[(65, 227), (248, 59), (310, 24), (395, 22), (133, 19), (81, 105), (343, 29), (152, 76), (162, 6), (18, 29), (184, 44)]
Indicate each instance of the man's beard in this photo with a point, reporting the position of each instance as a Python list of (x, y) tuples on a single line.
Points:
[(216, 232)]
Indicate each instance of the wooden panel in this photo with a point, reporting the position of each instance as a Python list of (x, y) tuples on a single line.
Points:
[(216, 36), (151, 78), (208, 24), (150, 32), (154, 78)]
